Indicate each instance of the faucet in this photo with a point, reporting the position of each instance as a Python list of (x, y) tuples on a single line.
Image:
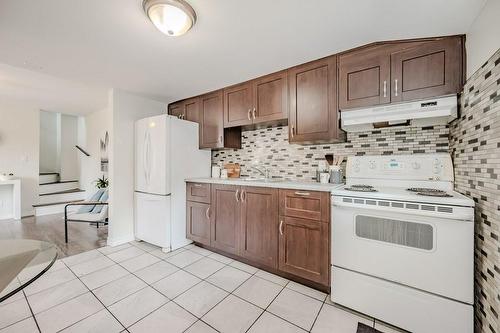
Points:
[(265, 173)]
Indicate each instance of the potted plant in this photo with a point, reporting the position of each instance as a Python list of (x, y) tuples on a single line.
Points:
[(102, 182)]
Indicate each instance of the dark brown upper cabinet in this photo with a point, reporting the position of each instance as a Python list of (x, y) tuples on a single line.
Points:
[(176, 109), (212, 132), (192, 110), (400, 71), (207, 111), (238, 105), (258, 101), (428, 70), (270, 98), (313, 115), (188, 109), (364, 78)]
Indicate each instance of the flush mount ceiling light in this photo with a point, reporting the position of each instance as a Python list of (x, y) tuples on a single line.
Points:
[(172, 17)]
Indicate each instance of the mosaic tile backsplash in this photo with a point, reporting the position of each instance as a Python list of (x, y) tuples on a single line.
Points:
[(269, 147), (475, 144)]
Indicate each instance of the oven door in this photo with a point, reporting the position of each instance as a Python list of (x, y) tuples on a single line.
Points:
[(431, 254)]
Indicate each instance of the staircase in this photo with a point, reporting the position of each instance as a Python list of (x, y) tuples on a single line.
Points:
[(54, 194)]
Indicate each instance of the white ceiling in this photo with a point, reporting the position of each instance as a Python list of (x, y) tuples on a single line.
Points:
[(71, 51)]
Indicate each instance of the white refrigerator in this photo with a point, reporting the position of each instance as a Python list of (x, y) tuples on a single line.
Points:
[(166, 153)]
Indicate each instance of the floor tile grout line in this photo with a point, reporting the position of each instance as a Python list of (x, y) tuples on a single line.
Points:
[(286, 320), (317, 315), (265, 310), (32, 314), (228, 293), (232, 293), (225, 264), (105, 307)]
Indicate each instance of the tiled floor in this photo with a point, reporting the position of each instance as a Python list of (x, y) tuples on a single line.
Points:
[(137, 288)]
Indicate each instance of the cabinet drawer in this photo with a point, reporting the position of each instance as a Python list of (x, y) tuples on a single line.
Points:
[(198, 192), (310, 205)]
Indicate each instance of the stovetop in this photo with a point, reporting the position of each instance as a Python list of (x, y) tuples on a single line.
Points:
[(434, 196)]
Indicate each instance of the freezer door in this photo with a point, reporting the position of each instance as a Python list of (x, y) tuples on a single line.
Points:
[(151, 155), (152, 219)]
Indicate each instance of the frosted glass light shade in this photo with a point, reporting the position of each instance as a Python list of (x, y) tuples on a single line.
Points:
[(172, 17)]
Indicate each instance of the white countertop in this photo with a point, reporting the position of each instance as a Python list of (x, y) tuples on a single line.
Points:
[(285, 184)]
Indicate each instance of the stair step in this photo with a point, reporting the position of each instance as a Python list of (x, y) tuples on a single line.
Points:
[(58, 186), (53, 208), (48, 177), (54, 203), (71, 190), (71, 195), (60, 182)]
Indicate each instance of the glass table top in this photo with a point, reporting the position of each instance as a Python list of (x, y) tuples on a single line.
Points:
[(22, 261)]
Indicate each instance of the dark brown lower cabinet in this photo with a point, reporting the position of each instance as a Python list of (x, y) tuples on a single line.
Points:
[(198, 222), (245, 221), (225, 231), (303, 249), (259, 225)]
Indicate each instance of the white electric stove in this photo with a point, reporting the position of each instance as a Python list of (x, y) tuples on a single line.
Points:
[(402, 243)]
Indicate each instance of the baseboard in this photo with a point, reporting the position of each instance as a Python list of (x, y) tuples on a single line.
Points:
[(28, 213), (120, 240)]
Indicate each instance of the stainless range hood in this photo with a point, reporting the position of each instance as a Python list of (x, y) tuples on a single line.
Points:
[(436, 111)]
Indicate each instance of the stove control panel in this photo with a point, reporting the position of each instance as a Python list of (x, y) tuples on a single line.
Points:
[(405, 167)]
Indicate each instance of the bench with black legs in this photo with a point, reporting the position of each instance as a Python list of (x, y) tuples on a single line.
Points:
[(101, 217)]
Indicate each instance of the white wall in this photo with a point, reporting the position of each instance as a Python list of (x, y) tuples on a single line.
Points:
[(92, 128), (49, 141), (69, 164), (19, 144), (483, 37), (126, 109)]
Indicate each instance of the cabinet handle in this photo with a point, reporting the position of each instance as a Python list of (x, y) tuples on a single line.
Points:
[(253, 113), (303, 193), (207, 213), (385, 88), (281, 227), (220, 139), (236, 196), (248, 114), (243, 195), (395, 87), (197, 185), (293, 130)]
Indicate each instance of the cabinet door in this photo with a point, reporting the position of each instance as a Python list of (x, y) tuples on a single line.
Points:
[(364, 78), (176, 109), (192, 110), (198, 222), (270, 98), (238, 105), (259, 225), (313, 107), (212, 130), (428, 70), (303, 249), (225, 231)]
